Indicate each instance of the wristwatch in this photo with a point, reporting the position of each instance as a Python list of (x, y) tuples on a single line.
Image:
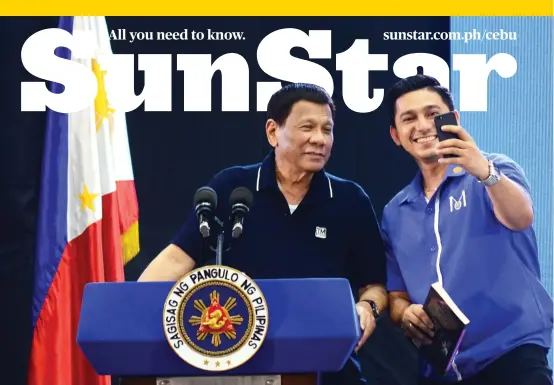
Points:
[(374, 308), (494, 176)]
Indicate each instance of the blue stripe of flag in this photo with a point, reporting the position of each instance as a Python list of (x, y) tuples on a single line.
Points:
[(52, 214)]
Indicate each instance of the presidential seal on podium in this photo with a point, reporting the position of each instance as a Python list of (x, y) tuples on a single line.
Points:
[(215, 318)]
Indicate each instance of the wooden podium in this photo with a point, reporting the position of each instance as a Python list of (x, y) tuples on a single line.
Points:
[(313, 327)]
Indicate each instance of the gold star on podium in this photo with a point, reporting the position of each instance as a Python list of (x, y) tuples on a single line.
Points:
[(206, 362)]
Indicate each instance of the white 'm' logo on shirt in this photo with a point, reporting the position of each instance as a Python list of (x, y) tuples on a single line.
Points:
[(458, 204), (321, 232)]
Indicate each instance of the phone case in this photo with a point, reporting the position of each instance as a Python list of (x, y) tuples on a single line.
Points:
[(448, 119)]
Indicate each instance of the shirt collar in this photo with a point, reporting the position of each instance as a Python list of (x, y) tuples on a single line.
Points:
[(415, 188), (320, 186)]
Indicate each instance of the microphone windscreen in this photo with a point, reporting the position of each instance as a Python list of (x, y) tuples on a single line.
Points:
[(205, 194), (241, 195)]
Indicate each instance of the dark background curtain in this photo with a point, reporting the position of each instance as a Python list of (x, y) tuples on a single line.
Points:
[(176, 152)]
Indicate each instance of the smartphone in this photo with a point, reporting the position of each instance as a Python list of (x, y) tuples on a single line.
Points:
[(448, 119)]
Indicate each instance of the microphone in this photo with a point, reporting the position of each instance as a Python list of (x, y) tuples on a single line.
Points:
[(205, 203), (241, 200)]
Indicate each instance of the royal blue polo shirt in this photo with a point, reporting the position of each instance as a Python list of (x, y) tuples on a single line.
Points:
[(491, 272), (332, 233)]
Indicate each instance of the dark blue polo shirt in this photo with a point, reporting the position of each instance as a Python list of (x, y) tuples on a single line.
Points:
[(491, 272), (332, 233)]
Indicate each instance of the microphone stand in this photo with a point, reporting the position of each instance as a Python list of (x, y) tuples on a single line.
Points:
[(219, 245), (219, 249)]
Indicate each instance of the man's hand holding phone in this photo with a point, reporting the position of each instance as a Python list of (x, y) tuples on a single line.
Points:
[(417, 325), (456, 146)]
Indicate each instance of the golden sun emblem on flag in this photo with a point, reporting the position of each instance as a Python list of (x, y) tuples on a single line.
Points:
[(215, 319), (101, 103)]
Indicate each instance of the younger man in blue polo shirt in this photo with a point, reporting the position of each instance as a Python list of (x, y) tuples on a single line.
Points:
[(304, 221), (466, 223)]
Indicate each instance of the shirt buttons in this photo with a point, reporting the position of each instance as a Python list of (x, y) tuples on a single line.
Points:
[(429, 210), (433, 248)]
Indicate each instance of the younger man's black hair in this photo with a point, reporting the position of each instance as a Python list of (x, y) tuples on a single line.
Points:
[(414, 83)]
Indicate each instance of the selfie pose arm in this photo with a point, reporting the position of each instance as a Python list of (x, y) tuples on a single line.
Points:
[(509, 194)]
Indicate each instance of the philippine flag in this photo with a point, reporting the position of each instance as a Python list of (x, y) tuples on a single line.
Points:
[(88, 218)]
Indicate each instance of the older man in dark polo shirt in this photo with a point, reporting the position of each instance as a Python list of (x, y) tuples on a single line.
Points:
[(304, 221)]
